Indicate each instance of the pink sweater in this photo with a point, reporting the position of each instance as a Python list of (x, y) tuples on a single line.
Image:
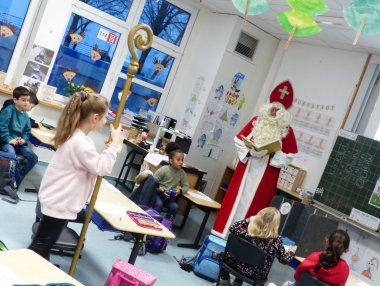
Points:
[(70, 177)]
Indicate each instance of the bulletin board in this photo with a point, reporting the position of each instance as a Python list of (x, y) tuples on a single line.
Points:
[(351, 177)]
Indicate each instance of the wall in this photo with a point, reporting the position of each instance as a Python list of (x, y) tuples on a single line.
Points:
[(230, 63), (319, 76)]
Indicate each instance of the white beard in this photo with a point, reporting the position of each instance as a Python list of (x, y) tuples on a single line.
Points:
[(267, 128)]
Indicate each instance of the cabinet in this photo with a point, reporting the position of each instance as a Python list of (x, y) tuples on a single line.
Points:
[(224, 183)]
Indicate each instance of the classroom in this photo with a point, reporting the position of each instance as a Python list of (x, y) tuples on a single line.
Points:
[(208, 72)]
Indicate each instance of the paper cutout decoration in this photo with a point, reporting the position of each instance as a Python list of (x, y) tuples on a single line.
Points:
[(224, 116), (254, 7), (219, 92), (300, 24), (76, 37), (309, 7), (69, 74), (7, 30), (159, 65), (363, 16), (151, 100), (96, 54), (201, 140), (234, 119)]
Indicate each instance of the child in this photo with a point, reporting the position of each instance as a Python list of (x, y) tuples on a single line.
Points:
[(327, 265), (262, 231), (15, 130), (171, 177), (70, 177), (33, 101)]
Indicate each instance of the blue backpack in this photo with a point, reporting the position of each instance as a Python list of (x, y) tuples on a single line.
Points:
[(206, 264)]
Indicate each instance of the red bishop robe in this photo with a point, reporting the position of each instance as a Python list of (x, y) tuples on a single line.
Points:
[(254, 182)]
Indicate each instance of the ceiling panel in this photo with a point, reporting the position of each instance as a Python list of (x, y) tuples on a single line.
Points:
[(335, 34)]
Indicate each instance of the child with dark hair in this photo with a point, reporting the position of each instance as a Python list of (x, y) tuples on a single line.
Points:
[(33, 101), (15, 131), (327, 265), (172, 181)]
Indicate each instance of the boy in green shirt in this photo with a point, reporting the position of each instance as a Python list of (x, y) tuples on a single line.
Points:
[(15, 131)]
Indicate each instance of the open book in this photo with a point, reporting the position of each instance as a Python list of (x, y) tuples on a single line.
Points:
[(272, 147)]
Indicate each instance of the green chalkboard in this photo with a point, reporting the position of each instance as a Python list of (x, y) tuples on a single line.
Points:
[(351, 174)]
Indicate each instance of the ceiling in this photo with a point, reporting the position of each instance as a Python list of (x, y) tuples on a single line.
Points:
[(335, 32)]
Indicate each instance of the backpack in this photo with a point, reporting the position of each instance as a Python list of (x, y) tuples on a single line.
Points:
[(206, 264), (8, 170), (156, 244)]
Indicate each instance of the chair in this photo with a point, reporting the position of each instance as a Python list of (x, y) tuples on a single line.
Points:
[(309, 280), (68, 239), (245, 252)]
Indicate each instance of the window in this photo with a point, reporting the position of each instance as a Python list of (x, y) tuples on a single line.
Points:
[(84, 56), (154, 66), (141, 97), (12, 14), (116, 8), (167, 21)]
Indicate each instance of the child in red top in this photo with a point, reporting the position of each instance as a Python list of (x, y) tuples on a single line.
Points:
[(327, 265)]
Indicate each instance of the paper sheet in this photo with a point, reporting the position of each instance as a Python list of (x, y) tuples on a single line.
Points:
[(155, 159), (200, 196), (50, 135)]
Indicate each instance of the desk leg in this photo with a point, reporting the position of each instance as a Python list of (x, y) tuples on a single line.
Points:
[(186, 214), (196, 245), (136, 247)]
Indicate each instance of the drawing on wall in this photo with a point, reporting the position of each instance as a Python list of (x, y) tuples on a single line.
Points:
[(375, 197), (221, 114), (234, 119), (219, 91), (312, 121), (31, 83), (201, 141), (186, 124), (41, 55), (211, 151), (232, 95), (372, 266), (310, 144)]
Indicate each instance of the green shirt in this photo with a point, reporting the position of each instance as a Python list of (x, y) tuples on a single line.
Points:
[(13, 124), (169, 178)]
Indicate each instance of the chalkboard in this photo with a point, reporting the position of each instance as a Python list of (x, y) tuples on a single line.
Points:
[(351, 174)]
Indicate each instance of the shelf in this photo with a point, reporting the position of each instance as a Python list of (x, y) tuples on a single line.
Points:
[(226, 179)]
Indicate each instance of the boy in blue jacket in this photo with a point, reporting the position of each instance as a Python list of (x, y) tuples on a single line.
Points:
[(15, 130)]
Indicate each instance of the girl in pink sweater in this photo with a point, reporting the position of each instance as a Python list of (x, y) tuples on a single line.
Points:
[(70, 177)]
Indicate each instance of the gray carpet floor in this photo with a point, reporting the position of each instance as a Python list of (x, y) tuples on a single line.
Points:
[(101, 249)]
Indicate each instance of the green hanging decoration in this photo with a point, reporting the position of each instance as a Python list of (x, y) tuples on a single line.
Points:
[(363, 16), (254, 7), (309, 7), (298, 24)]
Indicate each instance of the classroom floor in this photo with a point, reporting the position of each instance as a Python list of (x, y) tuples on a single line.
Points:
[(101, 250)]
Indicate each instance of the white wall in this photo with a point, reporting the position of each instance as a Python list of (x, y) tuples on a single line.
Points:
[(322, 76), (222, 72)]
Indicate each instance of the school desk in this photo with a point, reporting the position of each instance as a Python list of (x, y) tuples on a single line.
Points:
[(202, 202), (24, 266), (42, 137), (353, 278), (112, 206), (194, 174)]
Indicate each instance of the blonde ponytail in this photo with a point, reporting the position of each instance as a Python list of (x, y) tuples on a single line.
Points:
[(80, 106)]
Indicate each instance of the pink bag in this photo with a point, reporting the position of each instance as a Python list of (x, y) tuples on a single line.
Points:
[(125, 274)]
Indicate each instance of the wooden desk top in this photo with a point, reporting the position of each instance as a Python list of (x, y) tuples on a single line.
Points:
[(27, 267), (112, 205), (353, 278), (201, 199), (44, 135)]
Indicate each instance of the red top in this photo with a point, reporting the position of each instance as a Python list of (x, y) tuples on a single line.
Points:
[(335, 276)]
